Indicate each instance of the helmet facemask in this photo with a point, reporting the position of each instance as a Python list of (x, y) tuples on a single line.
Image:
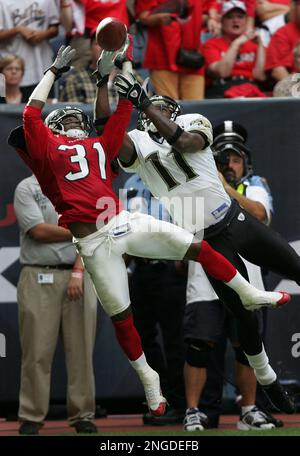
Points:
[(55, 122), (163, 102)]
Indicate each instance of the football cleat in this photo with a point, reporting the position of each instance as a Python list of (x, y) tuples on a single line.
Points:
[(155, 401), (286, 297), (194, 420), (279, 397), (258, 299), (255, 420)]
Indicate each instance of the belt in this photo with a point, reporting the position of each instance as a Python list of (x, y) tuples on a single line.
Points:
[(216, 229), (224, 81), (52, 266)]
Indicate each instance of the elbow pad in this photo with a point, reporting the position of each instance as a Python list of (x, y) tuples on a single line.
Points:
[(203, 126)]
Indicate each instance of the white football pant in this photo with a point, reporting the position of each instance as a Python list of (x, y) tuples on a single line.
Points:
[(136, 234)]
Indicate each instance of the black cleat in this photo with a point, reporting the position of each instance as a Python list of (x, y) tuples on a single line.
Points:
[(29, 428), (271, 419), (172, 416), (279, 397)]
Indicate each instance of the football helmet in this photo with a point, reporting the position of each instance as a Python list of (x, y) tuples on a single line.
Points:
[(54, 121), (145, 124), (229, 137)]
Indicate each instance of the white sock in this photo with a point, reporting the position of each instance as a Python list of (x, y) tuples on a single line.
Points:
[(237, 282), (249, 294), (140, 365), (247, 408), (262, 369)]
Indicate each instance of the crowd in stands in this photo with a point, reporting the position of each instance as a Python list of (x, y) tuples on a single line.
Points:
[(191, 49)]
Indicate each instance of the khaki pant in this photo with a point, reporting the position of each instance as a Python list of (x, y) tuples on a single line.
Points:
[(179, 86), (43, 310)]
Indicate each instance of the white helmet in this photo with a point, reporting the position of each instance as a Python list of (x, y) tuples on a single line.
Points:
[(145, 124)]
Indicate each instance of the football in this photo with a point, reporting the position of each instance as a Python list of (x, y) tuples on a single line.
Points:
[(111, 34)]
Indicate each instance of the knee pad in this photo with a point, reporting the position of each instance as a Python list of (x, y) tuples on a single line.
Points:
[(240, 356), (197, 354)]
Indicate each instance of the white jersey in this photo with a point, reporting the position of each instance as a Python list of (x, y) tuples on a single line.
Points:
[(186, 183), (37, 15), (198, 286)]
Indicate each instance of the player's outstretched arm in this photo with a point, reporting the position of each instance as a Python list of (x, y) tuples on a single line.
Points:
[(180, 140), (105, 65), (102, 111), (60, 65)]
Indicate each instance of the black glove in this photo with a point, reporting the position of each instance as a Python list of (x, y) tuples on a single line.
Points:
[(129, 87)]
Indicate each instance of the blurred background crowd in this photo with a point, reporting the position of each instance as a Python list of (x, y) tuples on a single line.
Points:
[(190, 49)]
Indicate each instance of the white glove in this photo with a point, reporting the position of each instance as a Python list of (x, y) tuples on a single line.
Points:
[(61, 63), (107, 62), (121, 53), (64, 57)]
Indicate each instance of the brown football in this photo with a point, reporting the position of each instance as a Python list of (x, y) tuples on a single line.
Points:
[(111, 34)]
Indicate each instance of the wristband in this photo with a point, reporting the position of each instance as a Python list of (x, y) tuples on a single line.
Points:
[(176, 135), (57, 71), (77, 275), (206, 142), (101, 80)]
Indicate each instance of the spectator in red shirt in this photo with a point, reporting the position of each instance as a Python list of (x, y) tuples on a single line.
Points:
[(96, 10), (167, 33), (250, 10), (271, 15), (235, 58), (280, 59), (86, 16), (212, 17)]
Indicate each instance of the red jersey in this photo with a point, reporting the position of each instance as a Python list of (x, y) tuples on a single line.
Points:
[(96, 10), (215, 48), (280, 50), (75, 173), (281, 2), (164, 41)]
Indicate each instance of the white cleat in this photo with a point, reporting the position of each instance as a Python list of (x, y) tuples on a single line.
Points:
[(254, 420), (194, 420), (259, 298), (156, 402)]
